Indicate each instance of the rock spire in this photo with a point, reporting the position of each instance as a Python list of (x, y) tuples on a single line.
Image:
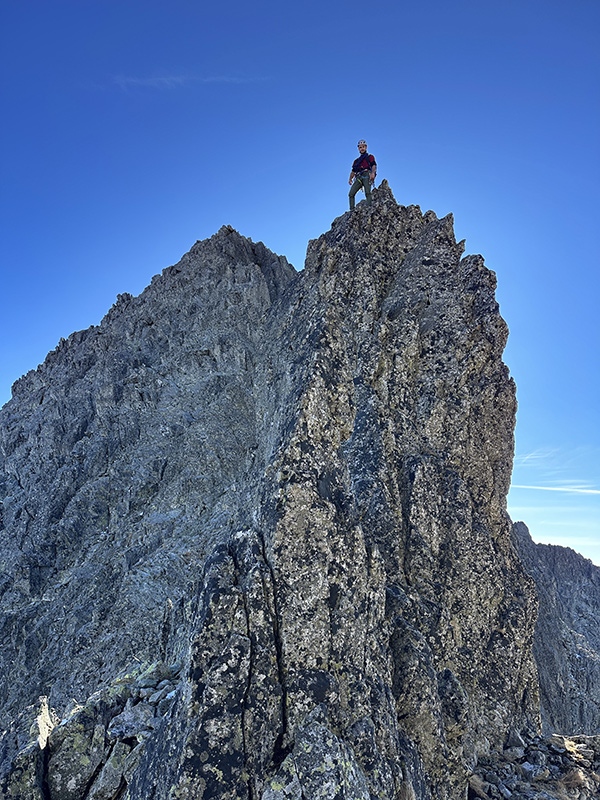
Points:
[(254, 531)]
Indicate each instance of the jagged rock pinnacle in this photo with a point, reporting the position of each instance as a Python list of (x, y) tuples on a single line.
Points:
[(254, 532)]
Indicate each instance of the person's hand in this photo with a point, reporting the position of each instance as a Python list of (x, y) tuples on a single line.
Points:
[(350, 181)]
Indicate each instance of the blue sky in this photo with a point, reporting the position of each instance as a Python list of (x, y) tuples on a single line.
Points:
[(132, 129)]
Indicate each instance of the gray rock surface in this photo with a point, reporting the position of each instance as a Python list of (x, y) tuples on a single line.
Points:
[(284, 495), (566, 645), (120, 457), (552, 768)]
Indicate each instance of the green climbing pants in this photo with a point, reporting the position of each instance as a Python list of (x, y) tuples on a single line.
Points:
[(359, 182)]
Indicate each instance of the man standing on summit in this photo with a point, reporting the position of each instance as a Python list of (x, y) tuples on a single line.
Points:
[(363, 174)]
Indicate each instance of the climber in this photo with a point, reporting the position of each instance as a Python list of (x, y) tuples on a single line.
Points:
[(363, 174)]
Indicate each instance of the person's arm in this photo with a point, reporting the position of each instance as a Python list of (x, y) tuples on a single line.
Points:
[(351, 178), (373, 174)]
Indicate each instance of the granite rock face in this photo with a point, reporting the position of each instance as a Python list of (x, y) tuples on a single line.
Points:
[(566, 644), (254, 538)]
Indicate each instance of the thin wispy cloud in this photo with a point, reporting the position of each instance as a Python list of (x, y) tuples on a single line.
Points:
[(561, 470), (551, 513), (569, 489), (539, 457), (126, 82), (555, 457)]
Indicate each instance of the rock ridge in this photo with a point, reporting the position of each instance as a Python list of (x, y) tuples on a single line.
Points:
[(254, 531), (566, 644)]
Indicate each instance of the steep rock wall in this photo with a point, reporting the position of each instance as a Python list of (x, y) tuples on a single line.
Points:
[(254, 524), (566, 644), (118, 458)]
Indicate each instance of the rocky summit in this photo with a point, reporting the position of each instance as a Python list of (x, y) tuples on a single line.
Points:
[(255, 543)]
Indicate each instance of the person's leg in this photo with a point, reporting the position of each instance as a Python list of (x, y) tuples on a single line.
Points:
[(367, 184), (356, 186)]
